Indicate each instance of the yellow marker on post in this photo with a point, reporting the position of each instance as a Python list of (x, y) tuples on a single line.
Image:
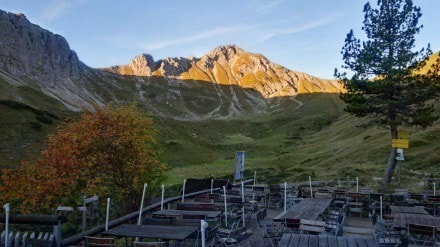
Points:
[(398, 143), (403, 134)]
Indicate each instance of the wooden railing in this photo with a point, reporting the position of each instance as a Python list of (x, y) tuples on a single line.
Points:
[(99, 229)]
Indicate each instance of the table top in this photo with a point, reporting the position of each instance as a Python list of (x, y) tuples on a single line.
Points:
[(402, 219), (171, 212), (307, 209), (179, 233), (409, 210), (305, 240)]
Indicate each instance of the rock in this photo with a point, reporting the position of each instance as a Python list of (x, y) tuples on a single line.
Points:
[(142, 65), (231, 65), (27, 50)]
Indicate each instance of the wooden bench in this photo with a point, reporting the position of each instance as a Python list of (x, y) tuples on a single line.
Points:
[(421, 234), (416, 197), (312, 226), (207, 206), (99, 242), (292, 224), (357, 230), (188, 206), (149, 244), (356, 203), (157, 221), (435, 199)]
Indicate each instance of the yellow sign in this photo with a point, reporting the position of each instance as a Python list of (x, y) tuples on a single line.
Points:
[(403, 134), (398, 143)]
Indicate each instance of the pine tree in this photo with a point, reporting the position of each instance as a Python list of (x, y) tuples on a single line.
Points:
[(381, 74)]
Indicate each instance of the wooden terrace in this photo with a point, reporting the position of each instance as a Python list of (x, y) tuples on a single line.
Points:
[(258, 218)]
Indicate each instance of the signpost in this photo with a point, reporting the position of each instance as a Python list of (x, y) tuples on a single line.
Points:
[(400, 143), (239, 165)]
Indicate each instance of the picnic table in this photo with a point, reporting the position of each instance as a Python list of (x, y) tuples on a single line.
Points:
[(178, 213), (305, 240), (178, 233), (401, 220), (307, 209), (408, 210)]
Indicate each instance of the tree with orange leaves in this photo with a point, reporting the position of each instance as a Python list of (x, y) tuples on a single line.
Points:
[(109, 152)]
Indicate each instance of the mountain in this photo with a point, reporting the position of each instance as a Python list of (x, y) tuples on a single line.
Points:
[(234, 82), (291, 124), (231, 65), (225, 83)]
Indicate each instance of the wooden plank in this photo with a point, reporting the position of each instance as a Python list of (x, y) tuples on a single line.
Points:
[(280, 216), (313, 241), (411, 210), (91, 199), (371, 243), (309, 209), (39, 219), (153, 231), (323, 241), (304, 240), (312, 229), (357, 230), (332, 242), (361, 242), (342, 242), (312, 222), (166, 212), (351, 242), (294, 240), (285, 239)]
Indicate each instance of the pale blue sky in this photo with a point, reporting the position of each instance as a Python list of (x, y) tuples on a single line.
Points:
[(302, 35)]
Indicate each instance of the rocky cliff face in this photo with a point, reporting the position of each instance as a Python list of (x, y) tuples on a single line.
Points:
[(28, 50), (231, 65), (40, 59), (227, 82)]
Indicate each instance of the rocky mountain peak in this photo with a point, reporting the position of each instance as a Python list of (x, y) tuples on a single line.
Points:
[(30, 48), (225, 52), (231, 65), (142, 64), (43, 61)]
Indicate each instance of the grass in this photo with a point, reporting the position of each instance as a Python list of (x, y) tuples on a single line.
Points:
[(317, 139), (24, 133), (322, 142)]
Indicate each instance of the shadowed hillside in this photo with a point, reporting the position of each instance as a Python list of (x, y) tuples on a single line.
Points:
[(323, 142), (291, 124)]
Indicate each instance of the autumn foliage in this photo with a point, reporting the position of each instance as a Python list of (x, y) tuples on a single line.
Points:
[(109, 152)]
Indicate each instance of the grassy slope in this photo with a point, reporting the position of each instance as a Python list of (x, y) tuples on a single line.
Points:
[(318, 139), (24, 127), (23, 134)]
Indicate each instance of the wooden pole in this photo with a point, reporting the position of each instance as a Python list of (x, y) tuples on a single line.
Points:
[(84, 212), (183, 190), (203, 226), (380, 207), (107, 214), (243, 201), (142, 204), (163, 194), (285, 196), (212, 185), (6, 207), (226, 210), (357, 184)]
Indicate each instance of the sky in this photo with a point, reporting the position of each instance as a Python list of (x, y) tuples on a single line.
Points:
[(302, 35)]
